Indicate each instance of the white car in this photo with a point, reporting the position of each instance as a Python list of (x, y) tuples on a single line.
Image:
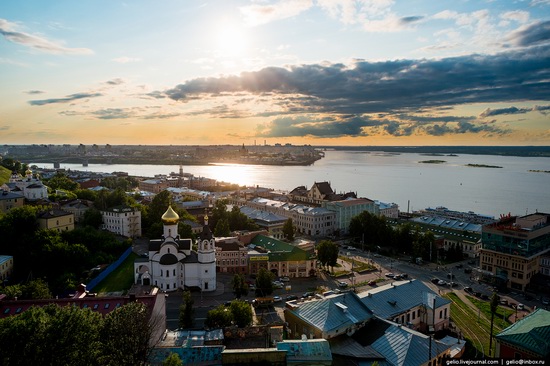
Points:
[(442, 283), (277, 299)]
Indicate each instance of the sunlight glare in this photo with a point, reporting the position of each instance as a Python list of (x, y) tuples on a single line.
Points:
[(230, 41)]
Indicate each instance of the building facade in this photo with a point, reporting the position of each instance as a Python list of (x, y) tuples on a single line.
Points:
[(6, 267), (512, 248), (55, 219), (30, 186), (172, 264), (9, 200), (122, 220), (231, 256), (347, 209)]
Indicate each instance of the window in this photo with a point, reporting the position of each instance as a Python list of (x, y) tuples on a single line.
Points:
[(106, 306), (206, 285)]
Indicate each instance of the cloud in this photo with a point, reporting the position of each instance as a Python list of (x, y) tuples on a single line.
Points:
[(7, 29), (303, 126), (115, 81), (67, 99), (462, 128), (373, 87), (533, 34), (391, 23), (513, 110), (34, 92), (257, 14)]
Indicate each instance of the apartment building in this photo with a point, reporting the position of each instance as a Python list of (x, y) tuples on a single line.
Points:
[(122, 220), (512, 248), (56, 219)]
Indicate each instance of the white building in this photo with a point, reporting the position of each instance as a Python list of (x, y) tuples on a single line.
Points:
[(172, 264), (308, 220), (122, 220), (30, 186)]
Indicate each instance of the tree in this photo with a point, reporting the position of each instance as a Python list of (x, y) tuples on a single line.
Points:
[(494, 306), (219, 317), (61, 181), (172, 360), (126, 334), (35, 290), (289, 230), (222, 228), (240, 287), (93, 218), (242, 313), (51, 335), (186, 311), (327, 253), (264, 282)]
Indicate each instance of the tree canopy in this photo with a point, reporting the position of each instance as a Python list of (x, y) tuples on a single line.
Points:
[(327, 253), (264, 282)]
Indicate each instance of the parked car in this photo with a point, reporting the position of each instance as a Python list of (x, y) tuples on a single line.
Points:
[(284, 279), (453, 284), (342, 284), (291, 297), (390, 275), (521, 307), (468, 290), (372, 283), (278, 284), (442, 283), (545, 301), (435, 280), (307, 294), (277, 299)]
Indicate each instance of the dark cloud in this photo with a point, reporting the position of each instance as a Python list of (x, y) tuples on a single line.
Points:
[(462, 128), (306, 126), (34, 92), (534, 34), (116, 81), (113, 113), (384, 87), (513, 110), (67, 99), (410, 20)]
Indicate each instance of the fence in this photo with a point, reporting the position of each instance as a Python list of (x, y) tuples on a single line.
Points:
[(107, 271)]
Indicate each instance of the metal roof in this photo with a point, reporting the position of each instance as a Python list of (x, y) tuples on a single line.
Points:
[(531, 333), (391, 300)]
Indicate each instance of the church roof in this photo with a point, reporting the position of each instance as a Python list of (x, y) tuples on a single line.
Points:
[(170, 216), (531, 333), (168, 259)]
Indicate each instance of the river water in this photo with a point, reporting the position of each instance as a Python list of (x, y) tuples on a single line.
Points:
[(399, 178)]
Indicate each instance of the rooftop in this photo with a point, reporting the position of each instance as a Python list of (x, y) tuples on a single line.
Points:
[(531, 333)]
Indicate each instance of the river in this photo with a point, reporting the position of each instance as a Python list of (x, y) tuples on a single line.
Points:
[(399, 178)]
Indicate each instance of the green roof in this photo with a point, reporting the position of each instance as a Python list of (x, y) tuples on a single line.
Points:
[(531, 333), (279, 251)]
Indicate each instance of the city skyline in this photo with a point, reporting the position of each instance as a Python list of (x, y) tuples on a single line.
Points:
[(325, 72)]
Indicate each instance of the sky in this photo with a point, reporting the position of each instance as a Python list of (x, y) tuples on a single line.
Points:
[(317, 72)]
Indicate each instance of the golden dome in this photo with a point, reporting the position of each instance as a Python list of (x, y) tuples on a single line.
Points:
[(28, 171), (170, 216)]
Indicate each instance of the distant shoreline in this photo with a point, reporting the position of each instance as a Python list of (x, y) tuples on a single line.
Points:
[(525, 151)]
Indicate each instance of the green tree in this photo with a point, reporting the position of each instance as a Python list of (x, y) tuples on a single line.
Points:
[(264, 283), (219, 212), (239, 221), (61, 181), (289, 230), (242, 313), (327, 253), (35, 290), (219, 317), (240, 287), (186, 311), (222, 228), (92, 217), (126, 334), (86, 194), (172, 360), (51, 335)]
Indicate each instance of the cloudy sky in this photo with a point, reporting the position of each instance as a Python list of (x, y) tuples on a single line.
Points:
[(320, 72)]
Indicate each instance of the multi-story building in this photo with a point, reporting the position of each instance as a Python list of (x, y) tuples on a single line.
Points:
[(389, 210), (268, 221), (512, 248), (30, 186), (312, 221), (320, 192), (281, 258), (231, 256), (122, 220), (410, 303), (78, 208), (9, 200), (6, 267), (347, 209), (454, 233), (153, 185), (56, 219)]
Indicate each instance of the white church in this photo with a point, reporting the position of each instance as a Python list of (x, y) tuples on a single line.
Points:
[(172, 263), (30, 186)]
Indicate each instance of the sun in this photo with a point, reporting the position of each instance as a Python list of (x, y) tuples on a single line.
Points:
[(230, 40)]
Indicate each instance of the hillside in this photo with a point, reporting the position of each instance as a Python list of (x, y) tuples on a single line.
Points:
[(4, 175)]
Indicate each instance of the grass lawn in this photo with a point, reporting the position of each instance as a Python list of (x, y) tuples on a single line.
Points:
[(475, 330), (121, 279), (485, 307)]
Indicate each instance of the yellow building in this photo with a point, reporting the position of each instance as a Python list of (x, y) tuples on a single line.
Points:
[(56, 220)]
